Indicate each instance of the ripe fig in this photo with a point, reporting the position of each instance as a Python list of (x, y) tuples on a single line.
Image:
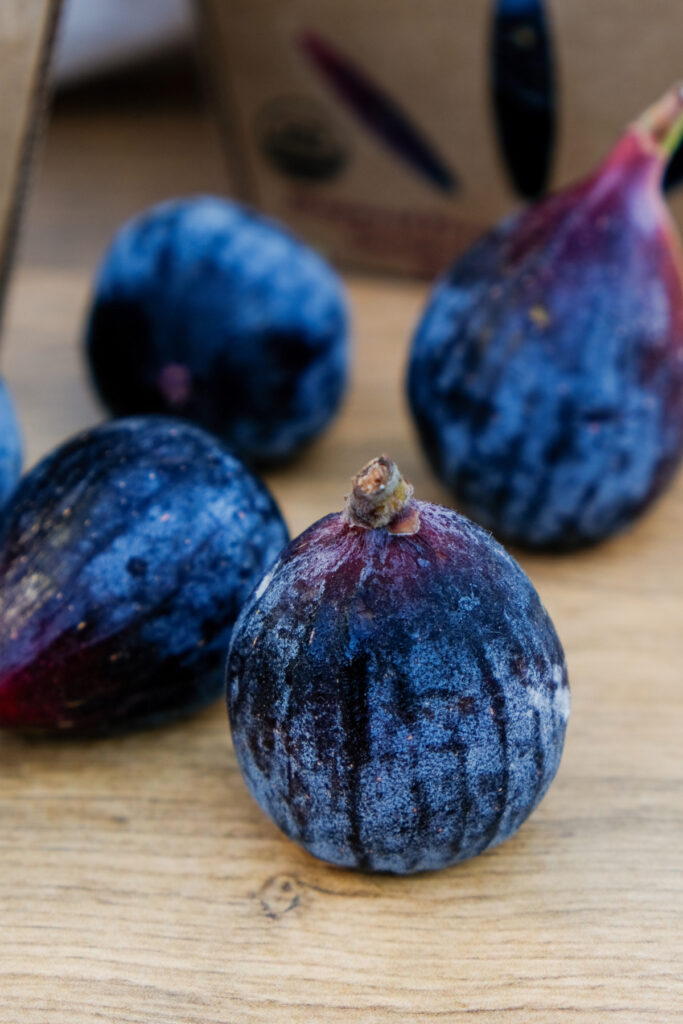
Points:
[(125, 557), (209, 311), (10, 445), (397, 693), (546, 375)]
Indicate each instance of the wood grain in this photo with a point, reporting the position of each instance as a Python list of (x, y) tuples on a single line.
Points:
[(139, 884)]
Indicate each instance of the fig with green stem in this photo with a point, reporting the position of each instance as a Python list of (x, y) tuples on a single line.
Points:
[(546, 374)]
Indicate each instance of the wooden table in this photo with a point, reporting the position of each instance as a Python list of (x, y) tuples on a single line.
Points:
[(138, 881)]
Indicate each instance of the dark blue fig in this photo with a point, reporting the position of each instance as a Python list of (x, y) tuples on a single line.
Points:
[(397, 693), (209, 311), (125, 557), (546, 374), (10, 445), (523, 88)]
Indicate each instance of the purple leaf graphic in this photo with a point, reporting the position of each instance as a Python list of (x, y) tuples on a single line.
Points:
[(377, 111)]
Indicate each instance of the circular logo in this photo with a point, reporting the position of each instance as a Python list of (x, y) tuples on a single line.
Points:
[(300, 138)]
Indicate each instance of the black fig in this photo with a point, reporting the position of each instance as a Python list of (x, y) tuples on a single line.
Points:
[(397, 692), (10, 445), (125, 557), (207, 310), (546, 375)]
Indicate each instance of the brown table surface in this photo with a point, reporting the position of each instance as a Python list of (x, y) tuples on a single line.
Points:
[(140, 883)]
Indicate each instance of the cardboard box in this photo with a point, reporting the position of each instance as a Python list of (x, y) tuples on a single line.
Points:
[(26, 32), (378, 130)]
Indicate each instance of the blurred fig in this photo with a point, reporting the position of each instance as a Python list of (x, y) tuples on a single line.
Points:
[(10, 445), (546, 375), (209, 311)]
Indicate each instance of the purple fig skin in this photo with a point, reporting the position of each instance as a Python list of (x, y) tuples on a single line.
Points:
[(397, 693), (546, 374), (125, 557)]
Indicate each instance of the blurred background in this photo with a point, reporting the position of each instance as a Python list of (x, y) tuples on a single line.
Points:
[(118, 122), (388, 135)]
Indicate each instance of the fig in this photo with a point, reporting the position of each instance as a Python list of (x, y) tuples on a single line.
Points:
[(398, 695), (10, 445), (546, 374), (125, 556), (207, 310)]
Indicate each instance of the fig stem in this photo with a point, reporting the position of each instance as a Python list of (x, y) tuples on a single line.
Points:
[(382, 498), (662, 122)]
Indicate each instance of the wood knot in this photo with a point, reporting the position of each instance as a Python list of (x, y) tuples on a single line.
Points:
[(280, 894)]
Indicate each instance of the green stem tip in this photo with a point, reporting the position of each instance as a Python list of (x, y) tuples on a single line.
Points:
[(662, 123)]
